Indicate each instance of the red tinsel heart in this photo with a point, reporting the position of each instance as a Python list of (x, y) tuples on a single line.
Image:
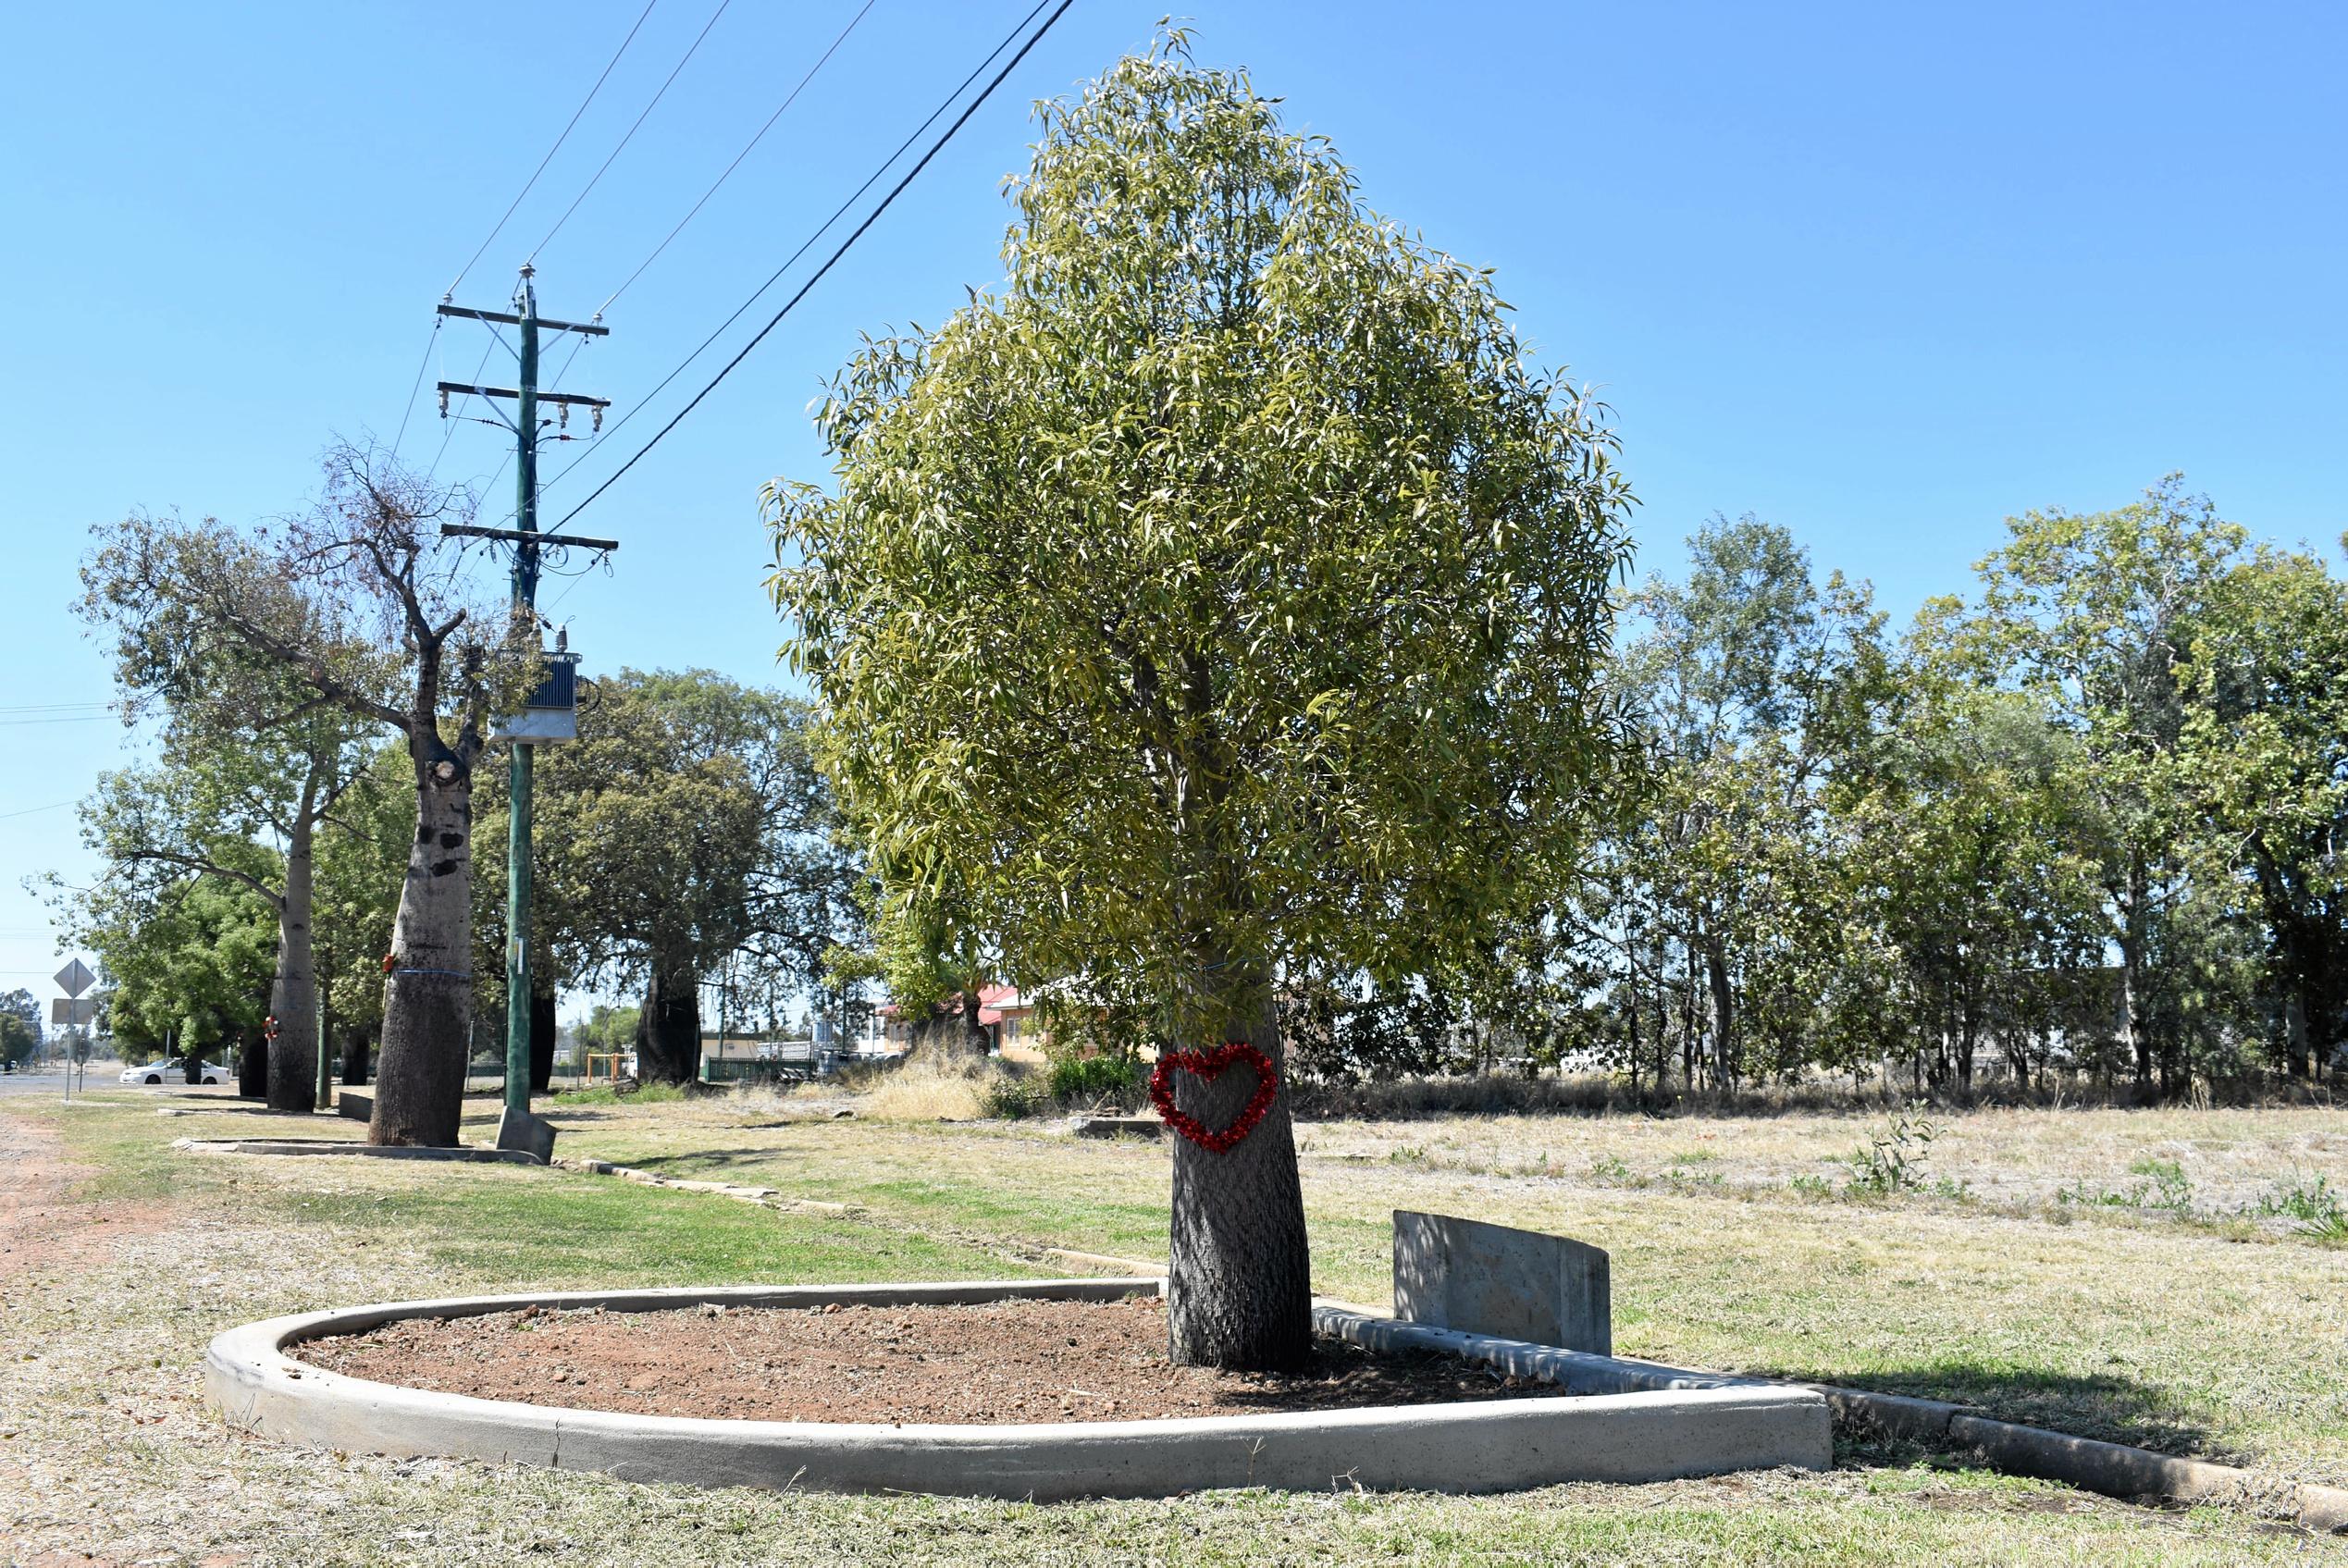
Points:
[(1210, 1064)]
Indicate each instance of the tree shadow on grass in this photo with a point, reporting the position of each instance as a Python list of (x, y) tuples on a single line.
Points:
[(2107, 1406), (706, 1159)]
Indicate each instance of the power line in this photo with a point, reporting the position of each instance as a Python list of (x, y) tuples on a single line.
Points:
[(833, 260), (447, 434), (746, 149), (632, 129), (30, 810), (422, 365), (577, 348), (806, 245), (556, 148)]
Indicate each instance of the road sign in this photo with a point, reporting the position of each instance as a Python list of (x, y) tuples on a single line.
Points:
[(75, 978), (65, 1013)]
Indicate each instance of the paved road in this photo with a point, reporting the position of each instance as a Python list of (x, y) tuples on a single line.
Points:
[(102, 1075)]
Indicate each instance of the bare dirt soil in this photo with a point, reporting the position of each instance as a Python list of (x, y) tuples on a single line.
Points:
[(41, 1226), (1004, 1361)]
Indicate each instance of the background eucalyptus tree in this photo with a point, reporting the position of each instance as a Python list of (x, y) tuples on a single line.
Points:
[(1220, 600), (685, 833)]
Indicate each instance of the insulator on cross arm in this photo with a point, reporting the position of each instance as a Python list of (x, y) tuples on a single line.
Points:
[(444, 402)]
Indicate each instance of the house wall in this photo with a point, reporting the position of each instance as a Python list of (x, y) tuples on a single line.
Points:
[(1023, 1038)]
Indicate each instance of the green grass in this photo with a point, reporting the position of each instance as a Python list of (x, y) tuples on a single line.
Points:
[(110, 1451)]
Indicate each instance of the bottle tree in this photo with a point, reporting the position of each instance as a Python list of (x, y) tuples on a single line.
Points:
[(1221, 598)]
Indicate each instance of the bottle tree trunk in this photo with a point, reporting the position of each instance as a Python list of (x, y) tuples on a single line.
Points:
[(667, 1034), (1239, 1280), (428, 993), (294, 1000), (355, 1052)]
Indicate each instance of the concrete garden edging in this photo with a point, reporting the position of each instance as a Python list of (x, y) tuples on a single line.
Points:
[(1489, 1446), (462, 1153), (2114, 1470)]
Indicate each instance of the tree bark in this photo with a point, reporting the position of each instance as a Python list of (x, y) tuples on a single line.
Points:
[(668, 1034), (355, 1051), (427, 996), (293, 1058), (542, 1031), (1724, 1016), (253, 1071), (1239, 1285), (2132, 958)]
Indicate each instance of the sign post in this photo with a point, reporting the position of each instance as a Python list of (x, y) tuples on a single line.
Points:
[(70, 1009)]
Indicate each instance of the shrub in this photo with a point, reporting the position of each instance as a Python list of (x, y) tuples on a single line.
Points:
[(1896, 1162), (1091, 1079), (1008, 1099)]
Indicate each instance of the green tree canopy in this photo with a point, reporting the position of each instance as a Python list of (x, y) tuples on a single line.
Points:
[(1225, 595), (685, 829)]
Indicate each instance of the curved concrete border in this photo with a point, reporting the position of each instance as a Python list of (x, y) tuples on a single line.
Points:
[(462, 1152), (1489, 1446)]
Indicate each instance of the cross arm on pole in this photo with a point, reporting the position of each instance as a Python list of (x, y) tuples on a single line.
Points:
[(520, 535), (545, 324), (578, 399)]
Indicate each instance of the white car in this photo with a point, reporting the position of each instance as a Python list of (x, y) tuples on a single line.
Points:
[(170, 1072)]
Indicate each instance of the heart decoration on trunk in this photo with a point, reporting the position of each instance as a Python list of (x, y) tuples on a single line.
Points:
[(1210, 1065)]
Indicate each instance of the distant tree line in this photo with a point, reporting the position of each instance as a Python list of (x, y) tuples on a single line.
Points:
[(2088, 818)]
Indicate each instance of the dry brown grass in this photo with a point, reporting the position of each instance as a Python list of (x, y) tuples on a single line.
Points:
[(925, 1087)]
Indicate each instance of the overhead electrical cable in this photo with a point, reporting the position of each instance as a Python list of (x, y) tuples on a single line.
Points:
[(556, 148), (581, 343), (447, 434), (422, 365), (592, 180), (692, 212), (830, 262)]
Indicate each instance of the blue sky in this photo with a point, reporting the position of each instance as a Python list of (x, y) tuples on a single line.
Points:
[(1883, 274)]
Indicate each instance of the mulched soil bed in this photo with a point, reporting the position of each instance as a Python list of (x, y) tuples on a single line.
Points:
[(1004, 1362)]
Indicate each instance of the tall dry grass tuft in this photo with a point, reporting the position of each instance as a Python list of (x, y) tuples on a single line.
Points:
[(926, 1087)]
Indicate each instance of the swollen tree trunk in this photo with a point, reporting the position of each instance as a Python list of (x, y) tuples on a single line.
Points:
[(428, 993), (356, 1050), (293, 1057), (668, 1034), (1239, 1280)]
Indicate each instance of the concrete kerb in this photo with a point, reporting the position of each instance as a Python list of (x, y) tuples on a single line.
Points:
[(2114, 1470), (1484, 1446), (350, 1146)]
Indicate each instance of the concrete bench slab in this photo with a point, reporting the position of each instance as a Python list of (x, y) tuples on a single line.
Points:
[(1466, 1273)]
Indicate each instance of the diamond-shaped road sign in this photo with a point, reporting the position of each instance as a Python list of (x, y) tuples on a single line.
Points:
[(75, 978)]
